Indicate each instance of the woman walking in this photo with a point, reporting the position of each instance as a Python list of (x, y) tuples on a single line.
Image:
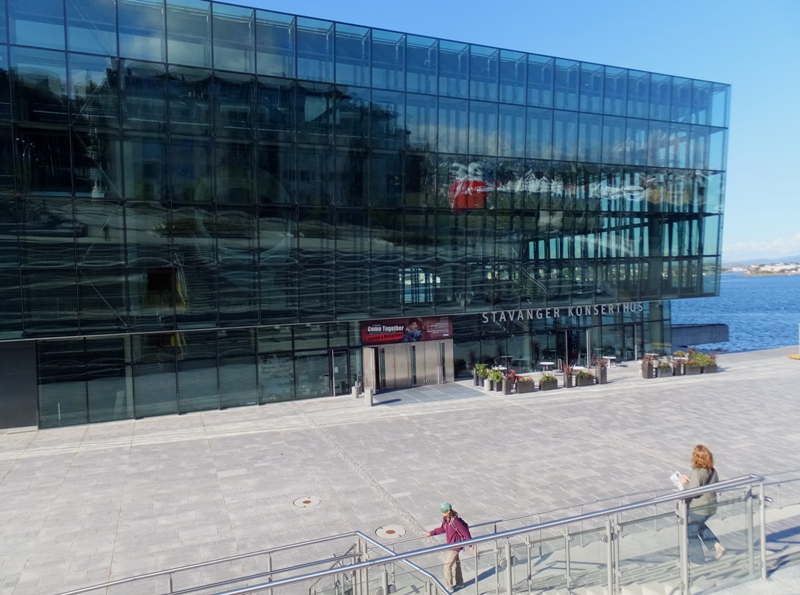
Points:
[(701, 507), (455, 530)]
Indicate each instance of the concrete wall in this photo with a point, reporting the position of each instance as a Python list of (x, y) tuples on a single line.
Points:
[(685, 335)]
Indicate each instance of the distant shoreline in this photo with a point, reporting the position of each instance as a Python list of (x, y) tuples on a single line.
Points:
[(765, 270)]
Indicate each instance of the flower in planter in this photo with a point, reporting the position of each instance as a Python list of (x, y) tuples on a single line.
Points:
[(584, 374)]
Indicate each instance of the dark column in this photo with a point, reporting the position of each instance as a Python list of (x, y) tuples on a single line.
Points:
[(18, 381)]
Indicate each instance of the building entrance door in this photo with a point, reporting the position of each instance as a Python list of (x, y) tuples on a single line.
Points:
[(405, 365), (340, 373)]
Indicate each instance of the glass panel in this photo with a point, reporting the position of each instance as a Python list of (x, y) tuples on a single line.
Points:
[(540, 133), (103, 303), (191, 174), (453, 69), (152, 293), (483, 128), (681, 100), (109, 379), (276, 107), (423, 59), (143, 94), (276, 175), (636, 142), (420, 185), (61, 371), (717, 149), (278, 263), (5, 84), (237, 368), (613, 140), (97, 164), (315, 176), (93, 91), (154, 379), (104, 243), (679, 145), (615, 94), (638, 94), (141, 30), (92, 26), (512, 131), (453, 125), (658, 144), (352, 116), (236, 254), (145, 168), (483, 72), (311, 374), (40, 85), (314, 50), (388, 60), (387, 179), (352, 185), (315, 112), (352, 55), (190, 92), (513, 77), (234, 38), (197, 371), (421, 122), (589, 137), (3, 27), (316, 246), (387, 114), (660, 92), (47, 237), (592, 78), (720, 105), (39, 23), (189, 32), (234, 96), (275, 377), (540, 81), (565, 135), (567, 82), (147, 229), (712, 189), (45, 162), (235, 168), (50, 302), (275, 43)]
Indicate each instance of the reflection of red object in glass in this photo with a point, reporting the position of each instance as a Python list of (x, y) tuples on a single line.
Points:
[(477, 194), (459, 194)]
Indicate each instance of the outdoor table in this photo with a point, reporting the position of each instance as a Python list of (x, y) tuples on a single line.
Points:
[(547, 366), (612, 359)]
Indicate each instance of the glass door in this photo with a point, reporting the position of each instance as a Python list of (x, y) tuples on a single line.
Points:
[(340, 373)]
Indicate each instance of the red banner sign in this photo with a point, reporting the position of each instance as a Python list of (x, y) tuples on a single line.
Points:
[(406, 330)]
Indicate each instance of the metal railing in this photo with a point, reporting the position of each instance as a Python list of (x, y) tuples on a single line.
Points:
[(600, 533)]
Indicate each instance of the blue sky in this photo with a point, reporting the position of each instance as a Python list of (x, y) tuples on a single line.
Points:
[(753, 46)]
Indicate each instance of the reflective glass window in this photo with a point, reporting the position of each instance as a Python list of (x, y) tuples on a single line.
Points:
[(388, 60), (636, 142), (39, 23), (711, 188), (679, 145), (311, 374), (48, 230), (453, 125), (592, 79), (109, 379), (104, 242), (190, 92), (235, 168), (154, 379), (234, 38), (102, 299), (237, 243), (197, 371), (276, 180), (565, 135), (40, 85), (681, 100), (149, 231), (275, 43), (145, 168), (3, 27), (234, 97), (590, 131), (567, 84), (453, 69), (720, 105), (387, 112), (276, 107), (5, 85), (50, 302), (143, 90), (352, 55), (658, 144), (717, 145), (387, 179), (275, 377), (189, 32), (141, 30), (96, 163), (484, 65), (92, 26), (483, 128), (314, 176), (615, 91), (314, 50), (422, 54), (315, 112), (237, 368), (278, 276), (352, 116), (191, 171), (421, 122), (638, 94), (660, 93), (94, 91), (539, 133), (512, 131), (540, 80), (61, 368), (613, 140), (420, 180), (44, 162), (7, 147), (513, 77), (351, 186)]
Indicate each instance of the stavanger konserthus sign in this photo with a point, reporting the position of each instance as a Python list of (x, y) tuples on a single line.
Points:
[(544, 313)]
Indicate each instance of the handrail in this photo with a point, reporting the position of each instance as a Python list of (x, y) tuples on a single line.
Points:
[(676, 497)]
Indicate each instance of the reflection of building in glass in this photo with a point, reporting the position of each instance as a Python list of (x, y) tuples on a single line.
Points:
[(200, 202)]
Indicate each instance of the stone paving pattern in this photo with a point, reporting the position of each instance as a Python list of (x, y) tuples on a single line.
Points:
[(86, 504)]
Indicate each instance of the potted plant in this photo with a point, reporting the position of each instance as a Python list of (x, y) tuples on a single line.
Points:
[(525, 384), (567, 369), (496, 376), (693, 366), (548, 382), (710, 365), (479, 373), (647, 366), (601, 370), (584, 378), (664, 369), (509, 382)]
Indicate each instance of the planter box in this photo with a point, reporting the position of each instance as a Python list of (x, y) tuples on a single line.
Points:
[(487, 385), (665, 373), (498, 386), (692, 370), (567, 380), (548, 385), (710, 369), (677, 369), (584, 381), (525, 387), (477, 379), (602, 375), (648, 371)]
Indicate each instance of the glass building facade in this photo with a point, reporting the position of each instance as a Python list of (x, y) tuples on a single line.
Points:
[(200, 202)]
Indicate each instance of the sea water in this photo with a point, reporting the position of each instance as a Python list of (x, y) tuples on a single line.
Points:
[(762, 312)]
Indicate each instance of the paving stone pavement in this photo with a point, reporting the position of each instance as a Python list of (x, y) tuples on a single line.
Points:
[(82, 505)]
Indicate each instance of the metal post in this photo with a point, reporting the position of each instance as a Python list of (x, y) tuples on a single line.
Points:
[(609, 556), (385, 581), (529, 569), (567, 569), (763, 527), (509, 571), (269, 567), (748, 511), (477, 588), (683, 512), (170, 582), (617, 556)]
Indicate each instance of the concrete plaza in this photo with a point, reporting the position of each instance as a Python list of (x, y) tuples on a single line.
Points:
[(83, 505)]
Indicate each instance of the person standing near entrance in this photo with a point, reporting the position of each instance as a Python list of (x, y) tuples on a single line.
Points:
[(701, 507), (455, 530)]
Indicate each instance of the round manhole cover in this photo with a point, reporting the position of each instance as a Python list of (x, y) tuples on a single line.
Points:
[(390, 531), (306, 501)]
